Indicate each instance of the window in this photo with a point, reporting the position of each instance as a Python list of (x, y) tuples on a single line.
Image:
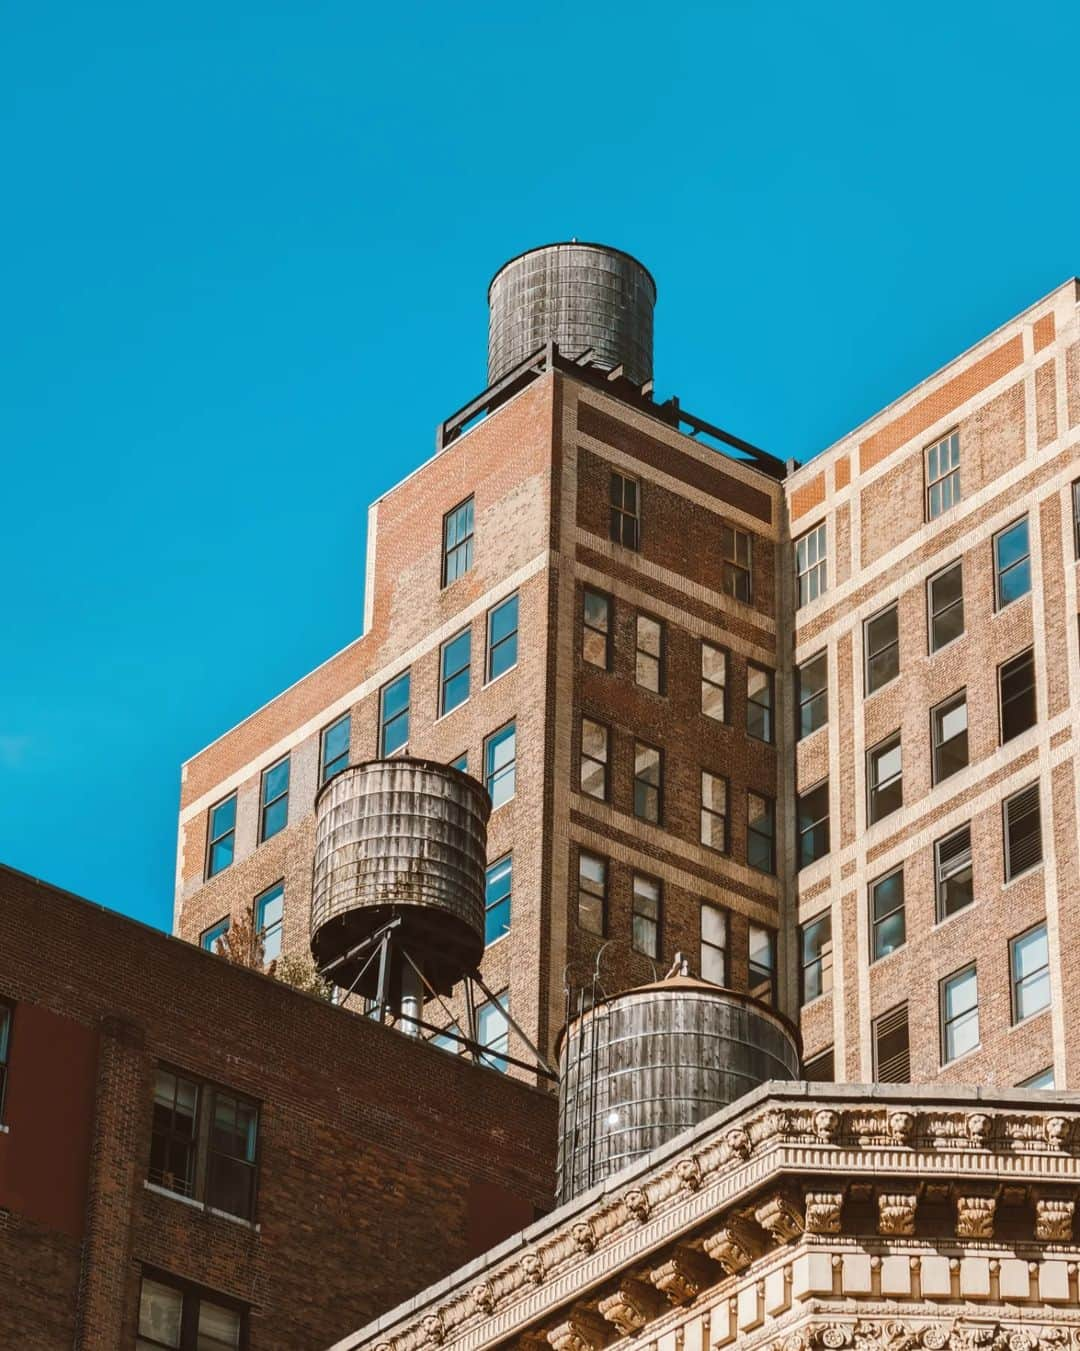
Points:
[(394, 715), (714, 811), (594, 759), (183, 1319), (887, 914), (625, 511), (816, 958), (892, 1053), (881, 640), (1016, 693), (946, 605), (762, 964), (813, 821), (500, 764), (592, 892), (210, 938), (457, 542), (203, 1143), (462, 763), (648, 783), (942, 475), (1023, 832), (274, 811), (493, 1030), (1012, 564), (759, 702), (335, 748), (454, 659), (502, 637), (222, 836), (6, 1016), (820, 1069), (949, 732), (1044, 1079), (497, 890), (713, 944), (1076, 549), (885, 779), (596, 629), (649, 654), (269, 910), (713, 681), (1030, 960), (952, 870), (959, 1014), (760, 832), (812, 688), (736, 553), (810, 570), (646, 917)]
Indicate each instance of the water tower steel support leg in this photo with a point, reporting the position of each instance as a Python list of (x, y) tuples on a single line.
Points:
[(509, 1018), (382, 995)]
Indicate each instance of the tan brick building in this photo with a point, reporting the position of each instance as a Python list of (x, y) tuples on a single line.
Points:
[(592, 602)]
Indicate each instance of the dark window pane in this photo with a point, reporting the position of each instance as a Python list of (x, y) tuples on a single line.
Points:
[(812, 680), (946, 606), (882, 649), (952, 857), (1017, 691), (813, 822)]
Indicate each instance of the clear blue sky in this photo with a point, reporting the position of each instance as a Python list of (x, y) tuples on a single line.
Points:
[(245, 252)]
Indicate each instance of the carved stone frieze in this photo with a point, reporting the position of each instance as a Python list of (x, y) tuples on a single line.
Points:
[(637, 1203), (582, 1331), (631, 1306), (975, 1216), (434, 1332), (532, 1268), (689, 1174), (896, 1212), (958, 1334), (1054, 1219), (822, 1212), (684, 1276), (826, 1125), (1058, 1132), (483, 1298), (583, 1236), (735, 1245), (780, 1217)]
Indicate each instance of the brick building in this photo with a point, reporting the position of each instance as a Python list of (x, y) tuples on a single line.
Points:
[(192, 1153), (662, 651)]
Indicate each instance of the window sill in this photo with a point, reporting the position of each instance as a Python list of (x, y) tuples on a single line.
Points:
[(201, 1206), (1031, 1017), (495, 942), (876, 962), (488, 683), (960, 1059), (449, 712), (1013, 881), (948, 919)]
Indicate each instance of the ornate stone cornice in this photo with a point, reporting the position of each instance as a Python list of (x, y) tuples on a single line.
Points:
[(711, 1205)]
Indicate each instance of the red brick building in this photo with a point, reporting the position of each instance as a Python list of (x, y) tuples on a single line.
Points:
[(192, 1153)]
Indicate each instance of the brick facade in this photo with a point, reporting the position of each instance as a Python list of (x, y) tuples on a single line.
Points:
[(383, 1163)]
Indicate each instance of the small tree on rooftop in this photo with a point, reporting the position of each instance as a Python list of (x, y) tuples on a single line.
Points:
[(300, 972), (242, 943)]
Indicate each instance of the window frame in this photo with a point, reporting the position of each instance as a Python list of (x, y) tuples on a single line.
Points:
[(1030, 1081), (818, 569), (277, 927), (871, 655), (934, 615), (601, 896), (326, 770), (875, 788), (712, 815), (507, 900), (947, 1024), (635, 913), (491, 774), (215, 933), (767, 710), (937, 717), (722, 686), (491, 647), (951, 474), (877, 921), (1007, 802), (941, 877), (660, 657), (619, 513), (707, 944), (192, 1298), (1016, 980), (1075, 494), (731, 570), (585, 759), (442, 709), (822, 962), (813, 1065), (804, 701), (212, 840), (878, 1031), (758, 834), (385, 723), (492, 1051), (752, 966), (803, 832), (1024, 560), (265, 806), (1028, 656), (466, 542), (657, 788), (7, 1032), (587, 628)]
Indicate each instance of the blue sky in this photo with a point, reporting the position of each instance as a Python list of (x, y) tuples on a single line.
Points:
[(245, 253)]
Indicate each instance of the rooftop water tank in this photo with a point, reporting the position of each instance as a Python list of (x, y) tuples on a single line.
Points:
[(402, 840), (638, 1069), (579, 296)]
